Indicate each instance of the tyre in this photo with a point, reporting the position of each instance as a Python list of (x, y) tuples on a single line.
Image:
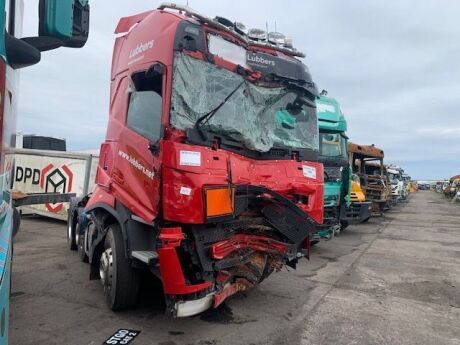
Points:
[(81, 244), (344, 224), (120, 280), (366, 220), (71, 233), (16, 221), (313, 243)]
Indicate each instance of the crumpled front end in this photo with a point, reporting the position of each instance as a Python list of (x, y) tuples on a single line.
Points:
[(236, 221)]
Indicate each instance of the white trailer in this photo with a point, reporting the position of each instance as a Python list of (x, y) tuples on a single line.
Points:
[(38, 171)]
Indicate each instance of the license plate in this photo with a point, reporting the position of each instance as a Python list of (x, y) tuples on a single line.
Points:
[(122, 337)]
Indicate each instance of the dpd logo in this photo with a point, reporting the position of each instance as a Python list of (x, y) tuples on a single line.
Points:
[(50, 179)]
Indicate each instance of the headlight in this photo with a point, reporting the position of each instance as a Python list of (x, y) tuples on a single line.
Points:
[(220, 201)]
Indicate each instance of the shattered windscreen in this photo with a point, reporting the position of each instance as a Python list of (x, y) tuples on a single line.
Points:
[(260, 118)]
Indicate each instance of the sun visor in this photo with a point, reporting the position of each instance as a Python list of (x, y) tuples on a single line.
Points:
[(269, 64), (125, 24)]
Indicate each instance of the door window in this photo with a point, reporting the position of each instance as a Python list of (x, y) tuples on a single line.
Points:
[(145, 106)]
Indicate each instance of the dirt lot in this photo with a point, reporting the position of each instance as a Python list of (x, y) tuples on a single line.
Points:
[(394, 280)]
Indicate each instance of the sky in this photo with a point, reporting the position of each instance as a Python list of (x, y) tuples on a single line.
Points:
[(394, 66)]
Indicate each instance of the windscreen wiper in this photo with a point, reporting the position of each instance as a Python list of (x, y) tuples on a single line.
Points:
[(208, 116)]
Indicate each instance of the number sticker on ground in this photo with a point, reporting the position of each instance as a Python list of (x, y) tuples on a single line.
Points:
[(122, 337)]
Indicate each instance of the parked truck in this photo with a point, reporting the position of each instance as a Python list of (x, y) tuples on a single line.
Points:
[(209, 176), (397, 185), (339, 209), (62, 23), (399, 181), (367, 163)]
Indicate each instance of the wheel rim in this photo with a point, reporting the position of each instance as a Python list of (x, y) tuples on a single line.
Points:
[(106, 269)]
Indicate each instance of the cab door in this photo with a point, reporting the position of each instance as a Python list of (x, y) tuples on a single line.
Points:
[(135, 175)]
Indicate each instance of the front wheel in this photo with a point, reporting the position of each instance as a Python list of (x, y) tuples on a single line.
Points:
[(344, 224), (120, 280)]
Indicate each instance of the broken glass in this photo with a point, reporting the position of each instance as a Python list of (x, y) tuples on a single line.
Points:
[(260, 118)]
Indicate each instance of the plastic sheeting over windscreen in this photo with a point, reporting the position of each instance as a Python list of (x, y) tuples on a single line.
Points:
[(260, 118)]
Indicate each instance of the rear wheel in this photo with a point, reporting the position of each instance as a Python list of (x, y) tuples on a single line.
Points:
[(16, 221), (80, 239), (120, 280), (344, 224), (71, 233)]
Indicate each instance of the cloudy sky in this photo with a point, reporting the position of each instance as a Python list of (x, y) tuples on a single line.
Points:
[(393, 66)]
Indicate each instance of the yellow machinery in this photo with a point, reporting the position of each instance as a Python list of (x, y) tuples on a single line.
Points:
[(367, 163), (357, 194)]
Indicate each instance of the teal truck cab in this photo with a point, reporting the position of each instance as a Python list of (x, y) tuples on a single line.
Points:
[(339, 210), (62, 23)]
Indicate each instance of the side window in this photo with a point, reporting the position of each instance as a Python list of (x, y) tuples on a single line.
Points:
[(145, 105)]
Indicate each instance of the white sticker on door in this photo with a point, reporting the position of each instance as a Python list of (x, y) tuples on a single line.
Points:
[(309, 172), (190, 158), (185, 191)]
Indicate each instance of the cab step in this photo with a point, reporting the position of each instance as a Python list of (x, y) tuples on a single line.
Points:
[(148, 257)]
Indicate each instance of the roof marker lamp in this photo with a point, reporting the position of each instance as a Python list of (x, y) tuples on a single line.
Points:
[(241, 28), (276, 38), (257, 35)]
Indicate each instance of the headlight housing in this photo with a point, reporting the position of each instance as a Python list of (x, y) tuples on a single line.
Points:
[(220, 201)]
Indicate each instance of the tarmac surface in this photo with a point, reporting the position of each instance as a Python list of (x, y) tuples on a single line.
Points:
[(393, 280)]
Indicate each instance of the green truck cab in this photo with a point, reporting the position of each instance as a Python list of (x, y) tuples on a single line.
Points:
[(339, 210)]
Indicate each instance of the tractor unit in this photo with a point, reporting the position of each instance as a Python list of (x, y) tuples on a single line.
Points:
[(339, 209), (209, 175)]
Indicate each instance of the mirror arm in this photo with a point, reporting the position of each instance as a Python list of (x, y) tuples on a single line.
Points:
[(43, 43)]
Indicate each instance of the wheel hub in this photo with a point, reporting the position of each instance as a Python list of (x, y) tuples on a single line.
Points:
[(69, 231), (106, 268)]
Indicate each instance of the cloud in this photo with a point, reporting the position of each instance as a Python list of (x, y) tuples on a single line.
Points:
[(393, 66), (439, 131)]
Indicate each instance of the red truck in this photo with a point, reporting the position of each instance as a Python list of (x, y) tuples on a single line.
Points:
[(208, 176)]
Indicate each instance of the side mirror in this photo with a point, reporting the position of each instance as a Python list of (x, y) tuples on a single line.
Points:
[(19, 53), (66, 20)]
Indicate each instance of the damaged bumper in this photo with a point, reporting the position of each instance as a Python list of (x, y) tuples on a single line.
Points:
[(357, 212), (202, 265)]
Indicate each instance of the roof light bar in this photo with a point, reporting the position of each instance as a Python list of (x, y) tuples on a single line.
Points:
[(253, 36)]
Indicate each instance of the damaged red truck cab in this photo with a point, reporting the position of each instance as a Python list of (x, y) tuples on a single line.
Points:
[(208, 176)]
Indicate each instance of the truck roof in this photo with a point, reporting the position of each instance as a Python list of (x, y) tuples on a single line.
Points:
[(139, 36), (330, 116), (366, 150)]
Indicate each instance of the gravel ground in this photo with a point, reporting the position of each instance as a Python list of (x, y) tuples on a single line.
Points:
[(394, 280)]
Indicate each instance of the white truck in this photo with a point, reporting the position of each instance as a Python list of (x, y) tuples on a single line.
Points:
[(38, 171), (397, 185)]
